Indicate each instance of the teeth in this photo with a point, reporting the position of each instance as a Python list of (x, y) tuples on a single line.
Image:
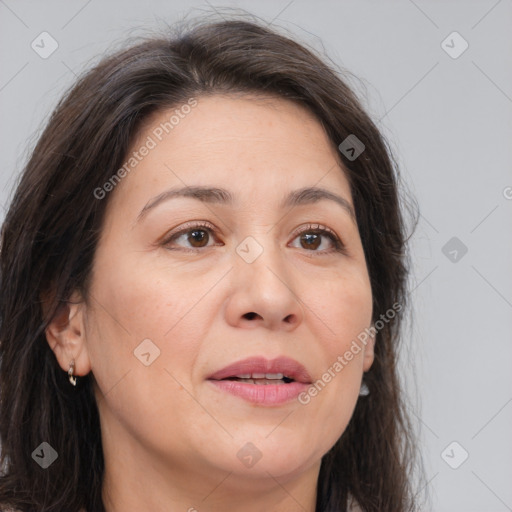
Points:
[(263, 382), (274, 375), (269, 376)]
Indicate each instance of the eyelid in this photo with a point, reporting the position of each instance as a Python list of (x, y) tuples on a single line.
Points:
[(315, 227), (339, 246), (184, 228)]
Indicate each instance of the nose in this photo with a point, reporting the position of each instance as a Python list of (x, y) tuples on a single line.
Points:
[(263, 294)]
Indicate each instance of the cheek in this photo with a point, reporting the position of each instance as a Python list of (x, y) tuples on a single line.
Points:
[(139, 297), (133, 303), (342, 317), (147, 314), (344, 307), (143, 289)]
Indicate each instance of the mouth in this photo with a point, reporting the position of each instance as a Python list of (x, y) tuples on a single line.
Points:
[(262, 381)]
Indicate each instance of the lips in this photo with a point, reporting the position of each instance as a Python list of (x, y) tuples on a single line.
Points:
[(258, 370)]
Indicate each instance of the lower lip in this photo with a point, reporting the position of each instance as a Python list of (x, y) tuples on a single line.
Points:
[(262, 394)]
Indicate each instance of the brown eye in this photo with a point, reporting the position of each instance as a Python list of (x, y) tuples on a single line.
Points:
[(191, 237), (197, 237), (311, 240), (312, 237)]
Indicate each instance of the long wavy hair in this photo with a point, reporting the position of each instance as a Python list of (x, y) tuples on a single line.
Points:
[(52, 227)]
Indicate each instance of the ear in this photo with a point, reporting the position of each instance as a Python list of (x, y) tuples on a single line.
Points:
[(369, 352), (66, 336)]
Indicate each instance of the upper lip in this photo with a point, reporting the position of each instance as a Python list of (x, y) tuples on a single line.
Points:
[(285, 365)]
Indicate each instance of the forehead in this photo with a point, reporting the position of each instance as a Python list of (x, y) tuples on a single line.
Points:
[(257, 147)]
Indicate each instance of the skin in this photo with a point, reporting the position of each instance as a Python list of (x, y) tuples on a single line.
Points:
[(170, 438)]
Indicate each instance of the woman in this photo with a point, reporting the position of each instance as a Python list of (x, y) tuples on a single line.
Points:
[(203, 280)]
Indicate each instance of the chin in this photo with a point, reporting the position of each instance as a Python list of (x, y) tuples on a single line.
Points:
[(276, 456)]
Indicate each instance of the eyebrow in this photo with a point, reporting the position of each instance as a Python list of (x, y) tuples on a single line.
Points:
[(216, 195)]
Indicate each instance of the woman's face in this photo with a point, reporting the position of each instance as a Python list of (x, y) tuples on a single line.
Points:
[(184, 286)]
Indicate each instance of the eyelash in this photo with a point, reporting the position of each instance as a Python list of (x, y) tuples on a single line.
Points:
[(316, 229)]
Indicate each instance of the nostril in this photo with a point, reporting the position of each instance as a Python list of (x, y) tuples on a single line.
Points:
[(250, 315)]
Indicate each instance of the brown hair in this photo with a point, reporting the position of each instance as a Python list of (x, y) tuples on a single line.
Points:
[(52, 228)]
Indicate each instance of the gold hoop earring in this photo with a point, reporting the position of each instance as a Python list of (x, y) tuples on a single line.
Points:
[(71, 370)]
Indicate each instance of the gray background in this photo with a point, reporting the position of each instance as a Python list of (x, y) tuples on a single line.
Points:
[(449, 123)]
